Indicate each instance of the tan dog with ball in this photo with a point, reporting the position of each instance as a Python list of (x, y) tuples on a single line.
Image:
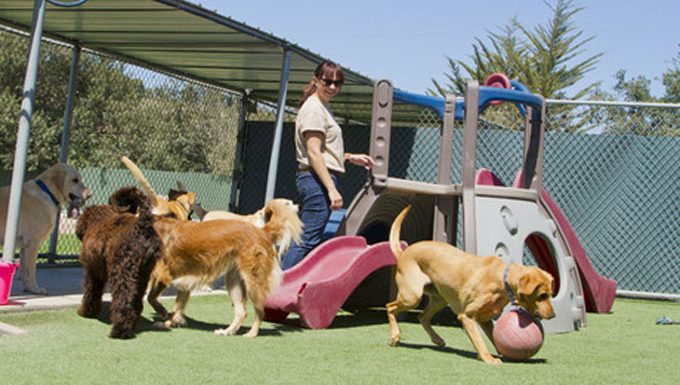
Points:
[(476, 288)]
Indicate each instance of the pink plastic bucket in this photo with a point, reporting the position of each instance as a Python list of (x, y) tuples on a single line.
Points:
[(6, 276)]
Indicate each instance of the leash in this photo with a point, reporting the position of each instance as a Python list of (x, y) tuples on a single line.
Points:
[(47, 191)]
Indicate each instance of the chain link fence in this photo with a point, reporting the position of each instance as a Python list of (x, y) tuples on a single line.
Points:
[(174, 129), (611, 167)]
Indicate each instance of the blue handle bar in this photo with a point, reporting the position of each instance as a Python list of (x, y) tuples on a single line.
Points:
[(520, 96)]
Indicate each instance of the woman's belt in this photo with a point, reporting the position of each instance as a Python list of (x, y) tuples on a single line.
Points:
[(305, 168)]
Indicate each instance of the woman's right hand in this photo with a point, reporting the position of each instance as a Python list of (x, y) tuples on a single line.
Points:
[(336, 199)]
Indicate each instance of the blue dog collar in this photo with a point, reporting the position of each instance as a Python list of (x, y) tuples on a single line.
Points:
[(47, 191)]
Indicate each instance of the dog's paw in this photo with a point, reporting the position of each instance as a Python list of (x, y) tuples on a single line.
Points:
[(489, 359), (394, 341), (87, 312), (224, 332), (35, 290), (176, 321), (122, 334), (160, 325), (437, 340)]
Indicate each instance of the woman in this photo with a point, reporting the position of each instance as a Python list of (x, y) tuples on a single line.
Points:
[(321, 158)]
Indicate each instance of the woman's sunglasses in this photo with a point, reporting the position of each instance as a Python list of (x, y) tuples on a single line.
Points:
[(329, 82)]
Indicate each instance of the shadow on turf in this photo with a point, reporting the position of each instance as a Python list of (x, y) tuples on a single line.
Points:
[(376, 316), (152, 325), (365, 317), (465, 353), (211, 326), (143, 324), (358, 318)]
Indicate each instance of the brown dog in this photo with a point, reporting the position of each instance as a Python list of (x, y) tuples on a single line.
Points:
[(41, 201), (119, 247), (180, 204), (197, 253), (474, 287)]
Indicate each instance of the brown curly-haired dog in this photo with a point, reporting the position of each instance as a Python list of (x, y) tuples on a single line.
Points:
[(121, 248)]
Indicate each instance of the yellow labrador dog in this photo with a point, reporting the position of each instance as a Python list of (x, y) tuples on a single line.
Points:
[(477, 288), (41, 200), (257, 219), (178, 207), (260, 218)]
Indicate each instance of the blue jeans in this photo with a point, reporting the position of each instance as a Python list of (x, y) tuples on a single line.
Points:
[(314, 215)]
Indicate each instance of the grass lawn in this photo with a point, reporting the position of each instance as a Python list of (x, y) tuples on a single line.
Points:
[(625, 347), (68, 245)]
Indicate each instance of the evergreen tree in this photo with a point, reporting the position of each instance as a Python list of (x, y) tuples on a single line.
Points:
[(548, 58)]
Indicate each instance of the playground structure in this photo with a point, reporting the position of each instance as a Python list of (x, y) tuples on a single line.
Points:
[(495, 219)]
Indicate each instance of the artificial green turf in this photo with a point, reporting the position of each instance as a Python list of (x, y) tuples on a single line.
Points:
[(625, 347)]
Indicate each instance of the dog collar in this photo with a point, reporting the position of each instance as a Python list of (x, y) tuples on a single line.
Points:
[(508, 289), (47, 191)]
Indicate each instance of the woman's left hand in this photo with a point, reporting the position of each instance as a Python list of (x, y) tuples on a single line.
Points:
[(362, 160)]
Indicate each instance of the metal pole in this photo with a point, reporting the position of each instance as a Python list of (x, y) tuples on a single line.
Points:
[(237, 170), (24, 131), (276, 145), (65, 136)]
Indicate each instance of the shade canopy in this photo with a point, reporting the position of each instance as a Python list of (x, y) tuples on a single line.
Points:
[(184, 39)]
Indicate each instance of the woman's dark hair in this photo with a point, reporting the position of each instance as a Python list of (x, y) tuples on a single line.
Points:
[(326, 69)]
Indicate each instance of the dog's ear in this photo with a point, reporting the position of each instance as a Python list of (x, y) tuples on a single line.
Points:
[(174, 194), (528, 283), (532, 281), (268, 213), (180, 186)]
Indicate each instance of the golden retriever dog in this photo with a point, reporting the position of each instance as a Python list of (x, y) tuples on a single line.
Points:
[(41, 201), (197, 253), (180, 203), (258, 218), (476, 288)]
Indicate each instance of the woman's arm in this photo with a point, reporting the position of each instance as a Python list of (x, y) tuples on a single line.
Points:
[(313, 143), (362, 160)]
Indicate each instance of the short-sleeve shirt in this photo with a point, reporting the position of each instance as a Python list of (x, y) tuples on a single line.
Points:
[(315, 116)]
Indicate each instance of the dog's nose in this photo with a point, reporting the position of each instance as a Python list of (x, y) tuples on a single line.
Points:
[(548, 316)]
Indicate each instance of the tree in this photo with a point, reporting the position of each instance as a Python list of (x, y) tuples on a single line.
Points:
[(548, 58), (671, 80), (161, 122), (638, 89), (646, 121)]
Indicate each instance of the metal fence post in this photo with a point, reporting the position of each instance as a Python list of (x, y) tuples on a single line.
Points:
[(24, 131), (237, 170), (280, 110), (65, 136)]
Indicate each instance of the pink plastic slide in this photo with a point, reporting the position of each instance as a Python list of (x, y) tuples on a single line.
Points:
[(317, 287), (599, 291)]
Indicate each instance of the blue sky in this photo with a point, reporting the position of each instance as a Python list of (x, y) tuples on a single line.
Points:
[(408, 41)]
